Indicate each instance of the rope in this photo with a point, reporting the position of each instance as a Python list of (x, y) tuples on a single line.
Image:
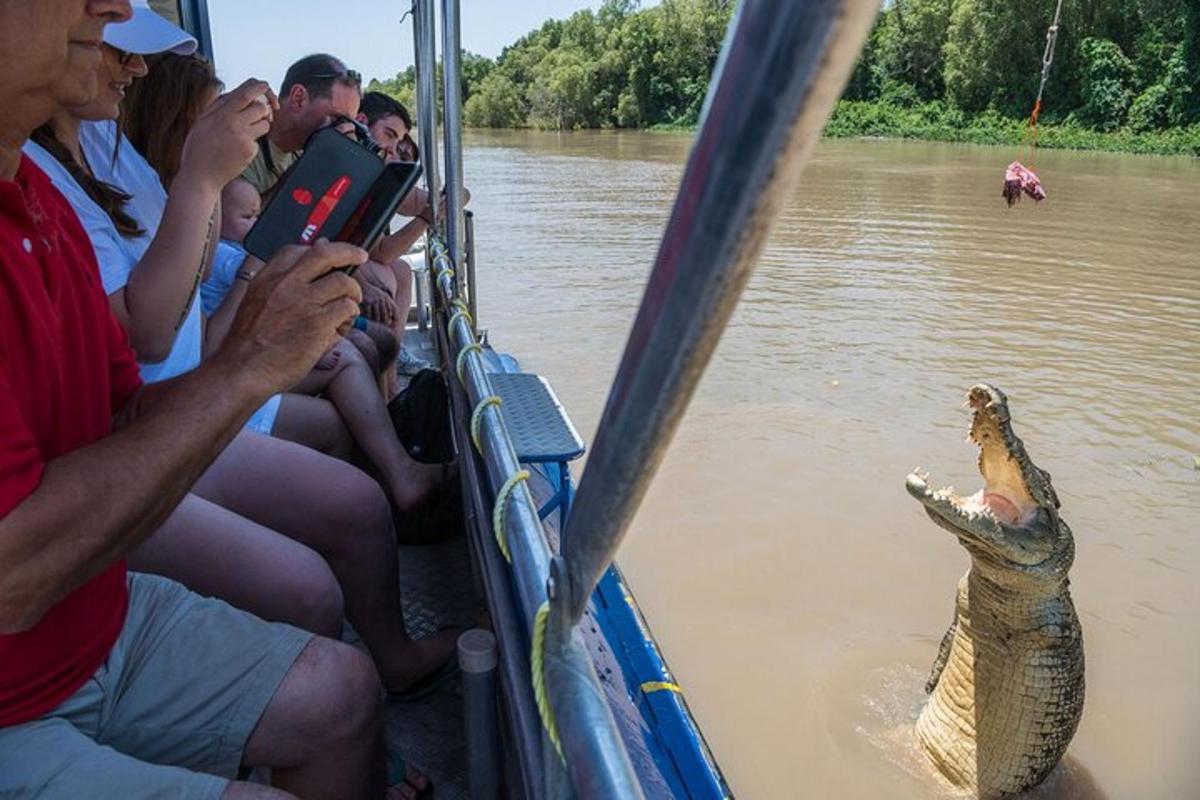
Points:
[(477, 418), (1029, 138), (461, 361), (537, 667), (500, 511), (457, 315)]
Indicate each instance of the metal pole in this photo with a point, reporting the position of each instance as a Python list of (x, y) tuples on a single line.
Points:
[(421, 294), (477, 659), (452, 120), (469, 255), (782, 68), (426, 64)]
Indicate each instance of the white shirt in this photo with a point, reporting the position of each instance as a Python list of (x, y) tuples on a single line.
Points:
[(117, 255)]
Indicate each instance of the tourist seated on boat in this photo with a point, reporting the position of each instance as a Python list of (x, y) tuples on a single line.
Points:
[(387, 279), (272, 526), (114, 684)]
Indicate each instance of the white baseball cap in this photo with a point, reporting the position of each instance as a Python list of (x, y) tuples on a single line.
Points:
[(146, 33)]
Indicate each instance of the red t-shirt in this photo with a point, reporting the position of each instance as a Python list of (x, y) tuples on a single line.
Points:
[(65, 368)]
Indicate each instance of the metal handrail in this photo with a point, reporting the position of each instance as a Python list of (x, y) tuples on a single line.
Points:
[(781, 70), (593, 752), (452, 117), (426, 66)]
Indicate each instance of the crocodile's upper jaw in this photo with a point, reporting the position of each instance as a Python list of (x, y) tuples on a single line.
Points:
[(1015, 516)]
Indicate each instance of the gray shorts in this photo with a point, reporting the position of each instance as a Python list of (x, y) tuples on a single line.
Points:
[(169, 712)]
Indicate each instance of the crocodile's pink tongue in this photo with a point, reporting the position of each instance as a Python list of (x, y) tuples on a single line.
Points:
[(1002, 507)]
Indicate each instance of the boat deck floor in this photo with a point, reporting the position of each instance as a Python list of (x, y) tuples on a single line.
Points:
[(438, 590)]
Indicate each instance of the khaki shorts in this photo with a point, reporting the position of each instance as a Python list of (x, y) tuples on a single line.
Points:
[(169, 712)]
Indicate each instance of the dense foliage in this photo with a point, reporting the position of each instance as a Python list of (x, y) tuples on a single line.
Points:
[(621, 66), (958, 69)]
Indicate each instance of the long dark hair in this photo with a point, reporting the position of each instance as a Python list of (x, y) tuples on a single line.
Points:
[(160, 109), (110, 199)]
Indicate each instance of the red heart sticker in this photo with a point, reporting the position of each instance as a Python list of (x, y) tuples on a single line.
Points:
[(302, 196)]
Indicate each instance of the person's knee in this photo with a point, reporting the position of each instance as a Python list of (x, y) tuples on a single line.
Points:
[(356, 503), (403, 271), (315, 600), (346, 692), (366, 347)]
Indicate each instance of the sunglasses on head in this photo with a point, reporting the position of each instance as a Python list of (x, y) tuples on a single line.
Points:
[(348, 76)]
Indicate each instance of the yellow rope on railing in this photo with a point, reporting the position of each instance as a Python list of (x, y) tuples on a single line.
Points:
[(500, 511), (459, 314), (477, 418), (537, 668), (461, 362)]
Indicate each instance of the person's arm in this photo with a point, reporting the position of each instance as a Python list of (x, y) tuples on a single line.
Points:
[(94, 505), (155, 301), (222, 318), (397, 244), (416, 205)]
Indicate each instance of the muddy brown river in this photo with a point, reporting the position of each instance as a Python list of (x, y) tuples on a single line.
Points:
[(798, 592)]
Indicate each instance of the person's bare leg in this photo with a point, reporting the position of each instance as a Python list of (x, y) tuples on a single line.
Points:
[(341, 513), (403, 294), (367, 347), (322, 733), (218, 553), (313, 422), (351, 387)]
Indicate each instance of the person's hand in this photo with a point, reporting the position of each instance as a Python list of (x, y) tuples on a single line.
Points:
[(224, 139), (297, 308), (377, 304)]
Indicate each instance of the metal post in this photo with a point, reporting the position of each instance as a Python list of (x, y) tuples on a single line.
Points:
[(477, 658), (469, 255), (421, 293), (452, 120), (426, 64), (782, 68)]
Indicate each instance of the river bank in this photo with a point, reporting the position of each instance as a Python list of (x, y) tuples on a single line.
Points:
[(940, 122)]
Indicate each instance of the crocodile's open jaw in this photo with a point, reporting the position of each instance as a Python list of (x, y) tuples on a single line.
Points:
[(1015, 514)]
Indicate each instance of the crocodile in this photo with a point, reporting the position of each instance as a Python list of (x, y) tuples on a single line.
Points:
[(1006, 690)]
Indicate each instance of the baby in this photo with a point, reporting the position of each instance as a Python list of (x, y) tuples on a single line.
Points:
[(240, 206)]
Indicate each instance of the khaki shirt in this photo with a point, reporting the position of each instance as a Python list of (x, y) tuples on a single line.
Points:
[(260, 173)]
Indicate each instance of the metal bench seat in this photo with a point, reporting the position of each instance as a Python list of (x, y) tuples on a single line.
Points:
[(540, 430)]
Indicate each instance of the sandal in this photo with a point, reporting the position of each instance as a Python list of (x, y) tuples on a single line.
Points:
[(402, 776)]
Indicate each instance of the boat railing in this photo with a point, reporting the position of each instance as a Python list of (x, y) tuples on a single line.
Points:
[(782, 67)]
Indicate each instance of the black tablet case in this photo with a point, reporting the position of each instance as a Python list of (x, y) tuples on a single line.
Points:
[(337, 190)]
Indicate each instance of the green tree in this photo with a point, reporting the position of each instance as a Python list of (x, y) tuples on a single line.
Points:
[(1107, 75), (495, 103)]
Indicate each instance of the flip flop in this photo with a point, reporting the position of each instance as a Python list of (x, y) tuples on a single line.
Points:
[(430, 683), (398, 775)]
